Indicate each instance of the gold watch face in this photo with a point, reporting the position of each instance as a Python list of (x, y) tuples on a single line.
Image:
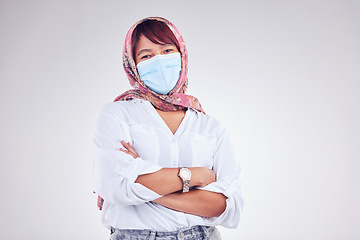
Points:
[(185, 173)]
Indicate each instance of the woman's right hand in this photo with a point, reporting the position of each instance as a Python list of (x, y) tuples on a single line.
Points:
[(128, 149), (201, 176)]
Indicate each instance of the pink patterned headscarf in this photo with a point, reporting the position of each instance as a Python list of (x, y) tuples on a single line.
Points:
[(176, 99)]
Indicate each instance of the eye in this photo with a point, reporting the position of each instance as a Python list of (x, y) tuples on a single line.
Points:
[(146, 56), (169, 50)]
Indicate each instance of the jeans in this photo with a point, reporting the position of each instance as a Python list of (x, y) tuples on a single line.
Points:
[(193, 233)]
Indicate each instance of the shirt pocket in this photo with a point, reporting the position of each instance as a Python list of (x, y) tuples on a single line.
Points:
[(145, 143), (203, 149)]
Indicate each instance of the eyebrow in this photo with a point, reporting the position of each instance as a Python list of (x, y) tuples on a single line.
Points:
[(167, 44)]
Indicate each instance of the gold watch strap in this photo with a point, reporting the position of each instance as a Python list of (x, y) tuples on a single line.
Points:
[(186, 185)]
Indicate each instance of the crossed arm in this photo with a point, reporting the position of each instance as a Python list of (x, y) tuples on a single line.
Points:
[(197, 202)]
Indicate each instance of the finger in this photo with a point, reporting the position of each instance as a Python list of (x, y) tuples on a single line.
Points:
[(124, 143), (130, 148), (131, 154), (127, 152)]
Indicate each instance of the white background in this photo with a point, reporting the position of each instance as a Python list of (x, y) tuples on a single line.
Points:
[(283, 76)]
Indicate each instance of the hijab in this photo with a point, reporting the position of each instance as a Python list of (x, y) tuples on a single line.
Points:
[(176, 99)]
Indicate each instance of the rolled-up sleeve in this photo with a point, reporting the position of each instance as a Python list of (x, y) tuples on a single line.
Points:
[(115, 172), (227, 170)]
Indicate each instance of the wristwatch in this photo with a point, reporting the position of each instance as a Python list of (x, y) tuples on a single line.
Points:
[(185, 175)]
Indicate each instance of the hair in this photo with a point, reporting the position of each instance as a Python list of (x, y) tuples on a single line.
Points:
[(156, 31)]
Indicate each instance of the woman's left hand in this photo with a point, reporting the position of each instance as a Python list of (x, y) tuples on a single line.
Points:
[(128, 149)]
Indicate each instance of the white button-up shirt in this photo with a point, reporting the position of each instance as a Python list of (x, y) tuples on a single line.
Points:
[(199, 141)]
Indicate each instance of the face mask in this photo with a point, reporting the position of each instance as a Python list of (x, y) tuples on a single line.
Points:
[(161, 72)]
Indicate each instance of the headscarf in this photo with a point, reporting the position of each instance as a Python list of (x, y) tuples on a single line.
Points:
[(176, 99)]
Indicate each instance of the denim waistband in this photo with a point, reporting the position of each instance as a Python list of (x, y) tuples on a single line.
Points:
[(196, 233)]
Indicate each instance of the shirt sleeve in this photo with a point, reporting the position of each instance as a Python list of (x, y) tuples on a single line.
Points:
[(115, 172), (227, 170)]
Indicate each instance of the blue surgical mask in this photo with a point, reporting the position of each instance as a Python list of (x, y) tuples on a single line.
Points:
[(161, 72)]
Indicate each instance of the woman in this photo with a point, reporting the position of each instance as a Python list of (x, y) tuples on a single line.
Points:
[(163, 169)]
